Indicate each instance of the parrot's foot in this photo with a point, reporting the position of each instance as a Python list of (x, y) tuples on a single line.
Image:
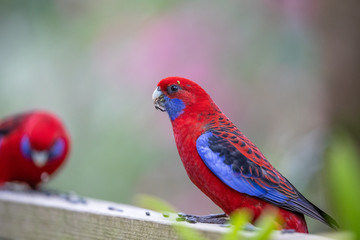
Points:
[(221, 218)]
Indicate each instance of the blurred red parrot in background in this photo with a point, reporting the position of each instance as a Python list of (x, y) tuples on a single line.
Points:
[(33, 145), (223, 163)]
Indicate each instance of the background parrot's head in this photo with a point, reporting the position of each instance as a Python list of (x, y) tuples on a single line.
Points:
[(44, 140), (177, 95)]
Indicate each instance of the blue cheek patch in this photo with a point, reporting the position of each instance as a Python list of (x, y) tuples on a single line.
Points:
[(25, 147), (174, 107), (57, 149)]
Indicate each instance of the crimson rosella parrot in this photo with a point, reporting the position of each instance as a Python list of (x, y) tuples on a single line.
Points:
[(33, 145), (223, 163)]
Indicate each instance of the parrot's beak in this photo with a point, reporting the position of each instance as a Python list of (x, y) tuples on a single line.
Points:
[(159, 100), (39, 157)]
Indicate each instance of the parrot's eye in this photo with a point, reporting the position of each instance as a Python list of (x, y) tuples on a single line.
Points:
[(173, 89)]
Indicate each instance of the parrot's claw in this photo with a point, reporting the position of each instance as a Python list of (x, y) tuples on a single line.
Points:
[(212, 218)]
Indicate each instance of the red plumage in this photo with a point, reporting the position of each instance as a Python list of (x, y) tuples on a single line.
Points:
[(193, 113), (33, 145)]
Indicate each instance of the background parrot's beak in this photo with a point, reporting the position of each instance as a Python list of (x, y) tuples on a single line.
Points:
[(40, 158), (158, 98)]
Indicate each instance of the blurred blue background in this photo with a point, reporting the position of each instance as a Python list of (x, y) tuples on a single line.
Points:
[(96, 64)]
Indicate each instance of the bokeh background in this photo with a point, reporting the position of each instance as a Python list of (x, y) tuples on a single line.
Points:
[(286, 73)]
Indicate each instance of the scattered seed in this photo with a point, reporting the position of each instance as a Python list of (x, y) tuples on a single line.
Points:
[(180, 219), (181, 214), (115, 209), (285, 231), (191, 220)]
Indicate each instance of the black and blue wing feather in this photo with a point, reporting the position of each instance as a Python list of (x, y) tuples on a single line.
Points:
[(255, 178)]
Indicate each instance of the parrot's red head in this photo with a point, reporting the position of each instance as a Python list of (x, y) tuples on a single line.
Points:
[(44, 139), (176, 95)]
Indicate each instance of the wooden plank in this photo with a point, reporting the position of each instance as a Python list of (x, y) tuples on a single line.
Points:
[(34, 215)]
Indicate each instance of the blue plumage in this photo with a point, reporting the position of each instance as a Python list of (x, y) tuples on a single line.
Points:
[(25, 147), (221, 155), (174, 107), (57, 149), (235, 176)]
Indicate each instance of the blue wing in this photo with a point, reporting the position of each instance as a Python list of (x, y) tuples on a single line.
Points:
[(237, 171), (222, 156)]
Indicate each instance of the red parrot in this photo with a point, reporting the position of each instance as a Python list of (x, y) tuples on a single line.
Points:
[(223, 163), (33, 145)]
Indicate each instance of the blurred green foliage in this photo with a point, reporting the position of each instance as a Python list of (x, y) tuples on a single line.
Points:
[(238, 222), (344, 179)]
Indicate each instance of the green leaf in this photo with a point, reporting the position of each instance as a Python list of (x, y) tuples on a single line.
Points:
[(344, 176), (267, 224), (238, 220)]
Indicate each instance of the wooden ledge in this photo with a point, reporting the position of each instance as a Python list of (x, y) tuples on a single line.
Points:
[(34, 215)]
